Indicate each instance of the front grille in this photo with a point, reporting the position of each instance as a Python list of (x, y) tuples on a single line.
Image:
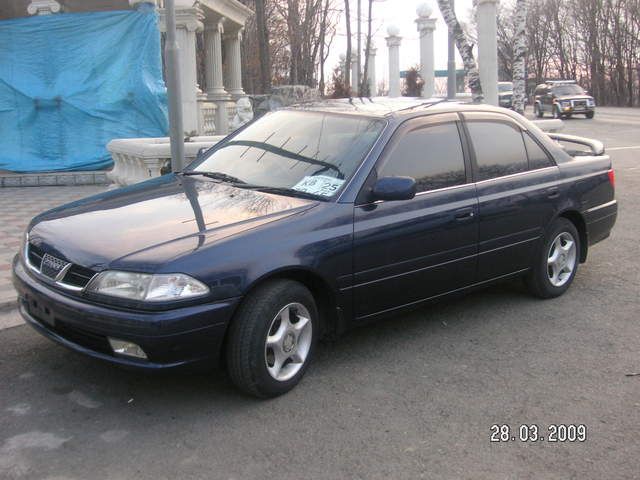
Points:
[(579, 103), (35, 256), (76, 277)]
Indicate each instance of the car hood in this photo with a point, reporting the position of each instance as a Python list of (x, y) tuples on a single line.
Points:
[(157, 220), (575, 97)]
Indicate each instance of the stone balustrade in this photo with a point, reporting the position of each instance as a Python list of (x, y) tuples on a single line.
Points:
[(138, 159)]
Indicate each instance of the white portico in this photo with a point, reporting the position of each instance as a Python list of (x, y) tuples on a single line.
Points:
[(222, 23)]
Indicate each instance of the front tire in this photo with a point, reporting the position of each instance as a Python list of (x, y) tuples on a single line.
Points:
[(272, 338), (589, 114), (556, 263)]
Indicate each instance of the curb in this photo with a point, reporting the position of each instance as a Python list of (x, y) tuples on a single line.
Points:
[(8, 305)]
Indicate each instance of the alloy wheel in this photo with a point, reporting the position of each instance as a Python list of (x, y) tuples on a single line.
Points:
[(288, 341), (561, 260)]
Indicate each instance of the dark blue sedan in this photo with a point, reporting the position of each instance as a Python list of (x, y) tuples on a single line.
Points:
[(307, 222)]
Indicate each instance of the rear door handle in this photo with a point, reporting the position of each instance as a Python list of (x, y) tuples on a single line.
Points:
[(464, 214), (553, 192)]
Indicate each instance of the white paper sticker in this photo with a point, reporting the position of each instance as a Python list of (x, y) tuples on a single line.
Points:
[(319, 185)]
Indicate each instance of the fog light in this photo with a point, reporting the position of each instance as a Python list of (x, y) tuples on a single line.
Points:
[(130, 349)]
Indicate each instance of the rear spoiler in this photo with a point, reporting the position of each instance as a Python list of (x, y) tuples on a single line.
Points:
[(596, 147)]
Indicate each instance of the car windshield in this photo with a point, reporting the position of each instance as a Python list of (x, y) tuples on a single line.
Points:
[(505, 87), (297, 151), (570, 89)]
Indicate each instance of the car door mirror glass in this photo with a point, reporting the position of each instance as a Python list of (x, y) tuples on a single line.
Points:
[(394, 188)]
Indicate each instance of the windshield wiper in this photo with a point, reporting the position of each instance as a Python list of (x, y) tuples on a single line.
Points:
[(216, 176), (282, 191)]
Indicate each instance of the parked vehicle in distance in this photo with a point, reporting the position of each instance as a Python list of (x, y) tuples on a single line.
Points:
[(307, 222), (562, 98), (505, 94)]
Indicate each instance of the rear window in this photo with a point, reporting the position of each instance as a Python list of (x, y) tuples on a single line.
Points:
[(498, 148)]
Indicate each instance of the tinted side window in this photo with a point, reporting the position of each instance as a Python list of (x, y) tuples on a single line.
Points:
[(538, 158), (499, 149), (431, 154)]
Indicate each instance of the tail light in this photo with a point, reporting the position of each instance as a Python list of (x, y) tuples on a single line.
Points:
[(612, 178)]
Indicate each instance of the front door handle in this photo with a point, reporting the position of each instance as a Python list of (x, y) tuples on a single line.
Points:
[(464, 214)]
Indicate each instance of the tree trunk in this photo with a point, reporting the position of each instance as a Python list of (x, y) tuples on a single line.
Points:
[(347, 63), (464, 48), (364, 81), (263, 48), (520, 55)]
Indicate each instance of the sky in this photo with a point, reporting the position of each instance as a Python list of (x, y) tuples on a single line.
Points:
[(401, 13)]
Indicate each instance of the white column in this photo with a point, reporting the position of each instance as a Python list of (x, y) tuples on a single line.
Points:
[(234, 63), (188, 22), (213, 60), (214, 75), (371, 72), (355, 75), (426, 26), (393, 42), (488, 49), (43, 7)]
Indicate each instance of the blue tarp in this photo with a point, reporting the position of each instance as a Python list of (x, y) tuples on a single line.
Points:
[(69, 83)]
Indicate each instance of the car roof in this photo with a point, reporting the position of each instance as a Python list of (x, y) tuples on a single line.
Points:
[(385, 107)]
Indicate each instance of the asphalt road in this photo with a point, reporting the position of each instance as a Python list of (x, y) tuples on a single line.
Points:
[(411, 397)]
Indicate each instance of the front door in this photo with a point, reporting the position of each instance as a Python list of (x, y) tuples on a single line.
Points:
[(412, 250)]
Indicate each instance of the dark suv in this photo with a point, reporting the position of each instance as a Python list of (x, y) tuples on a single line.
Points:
[(562, 98)]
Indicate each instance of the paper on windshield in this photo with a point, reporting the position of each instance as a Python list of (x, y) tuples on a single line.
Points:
[(319, 185)]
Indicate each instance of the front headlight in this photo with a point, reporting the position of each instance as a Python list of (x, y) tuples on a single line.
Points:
[(591, 102), (147, 287)]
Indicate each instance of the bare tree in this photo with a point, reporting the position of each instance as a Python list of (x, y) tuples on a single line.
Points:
[(520, 54), (465, 48), (347, 69), (263, 47), (364, 81)]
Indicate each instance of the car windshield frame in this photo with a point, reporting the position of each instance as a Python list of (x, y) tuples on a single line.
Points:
[(230, 140)]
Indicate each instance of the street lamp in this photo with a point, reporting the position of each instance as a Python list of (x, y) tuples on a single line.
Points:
[(172, 52)]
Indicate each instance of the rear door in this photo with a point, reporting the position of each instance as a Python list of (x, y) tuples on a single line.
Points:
[(516, 185), (407, 251)]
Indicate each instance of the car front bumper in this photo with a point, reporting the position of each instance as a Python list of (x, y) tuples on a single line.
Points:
[(570, 110), (169, 338)]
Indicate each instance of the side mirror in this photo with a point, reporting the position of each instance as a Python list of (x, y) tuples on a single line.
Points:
[(394, 188)]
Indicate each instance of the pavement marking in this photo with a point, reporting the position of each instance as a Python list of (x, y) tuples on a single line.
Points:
[(634, 147)]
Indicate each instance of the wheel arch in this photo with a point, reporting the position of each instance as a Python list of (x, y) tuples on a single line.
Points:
[(578, 221), (324, 295)]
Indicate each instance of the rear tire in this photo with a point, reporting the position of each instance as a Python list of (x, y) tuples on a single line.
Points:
[(556, 262), (272, 338)]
